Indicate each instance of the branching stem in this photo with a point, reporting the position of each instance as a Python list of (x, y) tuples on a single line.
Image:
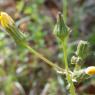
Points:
[(54, 66)]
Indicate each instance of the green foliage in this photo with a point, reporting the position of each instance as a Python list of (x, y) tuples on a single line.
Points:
[(53, 87), (18, 65)]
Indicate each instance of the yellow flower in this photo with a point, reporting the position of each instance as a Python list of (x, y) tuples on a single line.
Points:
[(90, 70), (6, 20)]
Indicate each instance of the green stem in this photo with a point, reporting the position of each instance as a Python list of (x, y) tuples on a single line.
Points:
[(69, 79), (65, 56), (57, 68)]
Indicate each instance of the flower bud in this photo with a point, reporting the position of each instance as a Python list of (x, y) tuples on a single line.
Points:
[(76, 60), (61, 30), (9, 25), (73, 60), (90, 70), (82, 49)]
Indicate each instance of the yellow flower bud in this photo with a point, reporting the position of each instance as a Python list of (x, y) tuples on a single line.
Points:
[(9, 25), (90, 70), (6, 20)]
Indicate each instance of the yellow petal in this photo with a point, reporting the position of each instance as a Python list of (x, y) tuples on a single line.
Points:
[(90, 70), (0, 17), (6, 20)]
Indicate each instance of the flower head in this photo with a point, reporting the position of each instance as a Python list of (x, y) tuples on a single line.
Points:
[(9, 25), (6, 20), (90, 70)]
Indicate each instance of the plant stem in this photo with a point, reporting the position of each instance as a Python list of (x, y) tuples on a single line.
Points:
[(65, 55), (69, 79), (56, 67)]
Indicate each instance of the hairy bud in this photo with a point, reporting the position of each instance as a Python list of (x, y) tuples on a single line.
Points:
[(82, 49), (61, 30), (76, 60)]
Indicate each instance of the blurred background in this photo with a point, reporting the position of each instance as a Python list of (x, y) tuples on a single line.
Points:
[(22, 73)]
